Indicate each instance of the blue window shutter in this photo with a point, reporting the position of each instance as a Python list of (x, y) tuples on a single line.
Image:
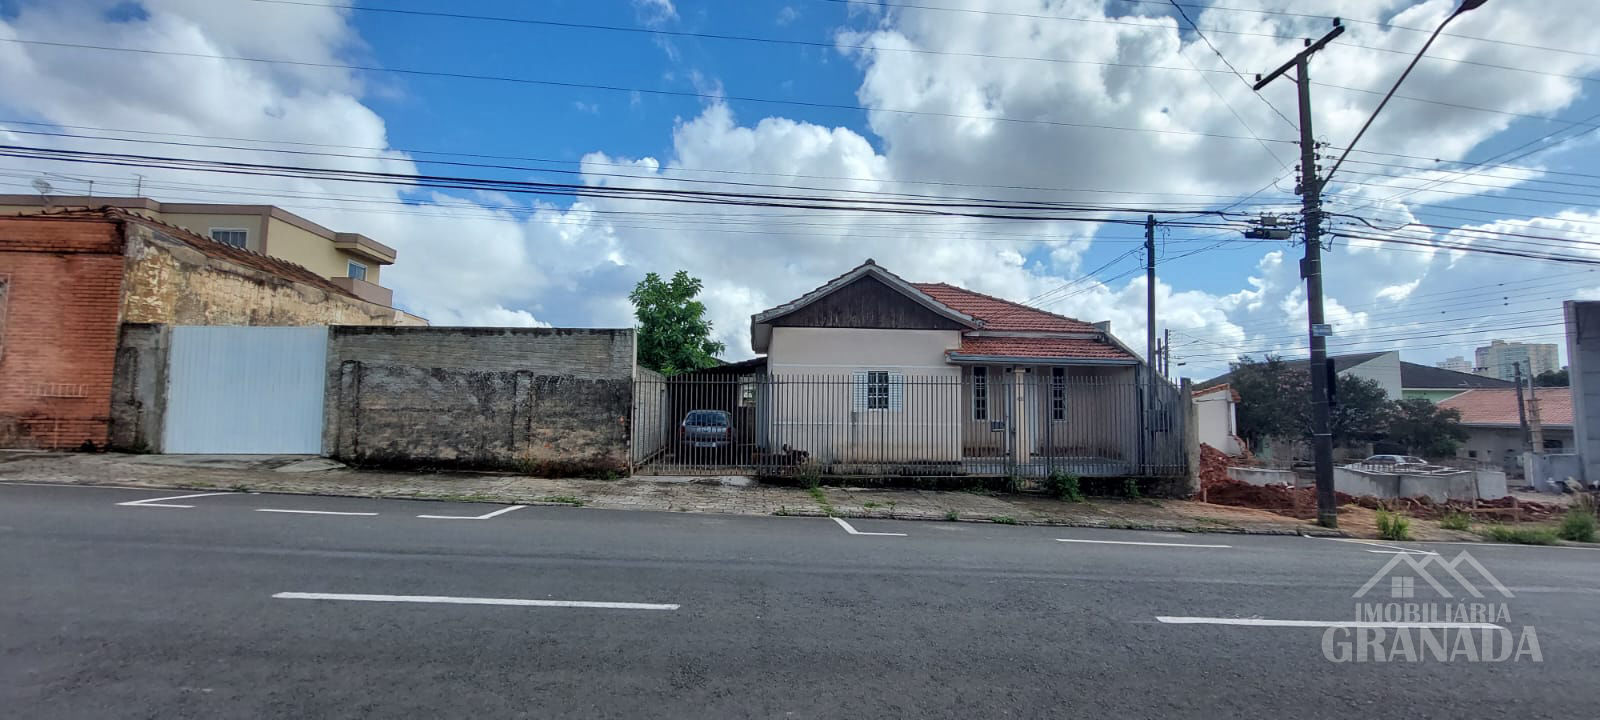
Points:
[(858, 392), (897, 391)]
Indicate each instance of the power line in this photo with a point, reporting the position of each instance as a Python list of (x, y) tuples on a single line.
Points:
[(625, 89), (1235, 72)]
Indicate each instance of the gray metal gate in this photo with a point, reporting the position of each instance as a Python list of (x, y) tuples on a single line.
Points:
[(246, 390)]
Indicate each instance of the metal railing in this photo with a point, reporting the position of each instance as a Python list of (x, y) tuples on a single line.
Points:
[(883, 423)]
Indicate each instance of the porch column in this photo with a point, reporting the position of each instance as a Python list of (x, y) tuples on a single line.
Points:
[(1021, 427)]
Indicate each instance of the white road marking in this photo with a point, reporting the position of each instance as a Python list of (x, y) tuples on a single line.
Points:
[(1131, 542), (446, 600), (77, 485), (854, 531), (1267, 622), (1398, 550), (501, 511), (313, 512), (158, 502), (1515, 545)]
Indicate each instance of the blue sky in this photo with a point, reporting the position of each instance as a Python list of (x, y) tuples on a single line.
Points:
[(472, 258)]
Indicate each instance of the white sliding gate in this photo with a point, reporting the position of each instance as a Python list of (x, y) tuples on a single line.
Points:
[(245, 390)]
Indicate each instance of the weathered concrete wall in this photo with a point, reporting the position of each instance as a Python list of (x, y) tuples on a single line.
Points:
[(1548, 472), (139, 387), (168, 281), (538, 400), (1261, 476), (1491, 484), (439, 417), (1439, 488)]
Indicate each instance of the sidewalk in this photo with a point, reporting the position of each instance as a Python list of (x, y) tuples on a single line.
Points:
[(733, 495)]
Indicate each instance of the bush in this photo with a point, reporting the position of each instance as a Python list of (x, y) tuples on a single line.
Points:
[(1065, 486), (1577, 525), (1519, 535), (1455, 521), (1393, 526), (1130, 487)]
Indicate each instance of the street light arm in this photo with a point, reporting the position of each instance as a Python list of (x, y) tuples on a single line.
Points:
[(1465, 6)]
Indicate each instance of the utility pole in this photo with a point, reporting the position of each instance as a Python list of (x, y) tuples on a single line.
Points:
[(1311, 270), (1150, 290), (1166, 353), (1522, 410), (1535, 425)]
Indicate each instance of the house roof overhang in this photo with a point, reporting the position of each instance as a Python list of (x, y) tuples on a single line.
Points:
[(761, 322), (960, 359)]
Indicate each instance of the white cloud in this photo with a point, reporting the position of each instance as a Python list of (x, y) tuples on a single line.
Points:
[(499, 259), (787, 15)]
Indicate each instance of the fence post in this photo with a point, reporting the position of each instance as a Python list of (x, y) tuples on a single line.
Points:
[(1191, 439)]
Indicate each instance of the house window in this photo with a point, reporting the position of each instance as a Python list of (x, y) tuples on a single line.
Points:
[(980, 393), (1552, 443), (1058, 393), (1472, 453), (879, 390), (356, 270), (230, 236)]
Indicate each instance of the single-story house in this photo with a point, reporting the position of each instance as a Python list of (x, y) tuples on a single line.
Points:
[(1494, 429), (872, 369)]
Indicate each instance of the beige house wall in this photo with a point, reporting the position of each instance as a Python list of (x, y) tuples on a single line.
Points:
[(317, 253), (814, 406), (203, 223)]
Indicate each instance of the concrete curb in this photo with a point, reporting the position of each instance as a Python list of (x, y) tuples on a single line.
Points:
[(1115, 525)]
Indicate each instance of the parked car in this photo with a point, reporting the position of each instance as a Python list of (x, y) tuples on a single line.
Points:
[(1393, 460), (706, 432)]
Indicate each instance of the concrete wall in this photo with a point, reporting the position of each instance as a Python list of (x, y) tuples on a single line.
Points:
[(1583, 367), (139, 390), (1503, 448), (539, 400), (1214, 413), (840, 351), (1465, 485), (60, 283), (171, 283), (1548, 472), (1261, 476)]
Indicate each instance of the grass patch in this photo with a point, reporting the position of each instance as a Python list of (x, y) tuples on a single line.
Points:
[(1455, 521), (1393, 526), (564, 500), (1212, 521), (952, 515), (1577, 525), (1064, 486), (822, 499), (1004, 520), (870, 505), (782, 510), (1130, 488), (1519, 535)]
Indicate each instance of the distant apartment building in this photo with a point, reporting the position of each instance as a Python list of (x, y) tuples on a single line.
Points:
[(352, 261), (1456, 364), (1499, 359)]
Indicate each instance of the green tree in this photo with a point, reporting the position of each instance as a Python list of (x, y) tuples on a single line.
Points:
[(674, 335), (1551, 378), (1426, 429), (1274, 403)]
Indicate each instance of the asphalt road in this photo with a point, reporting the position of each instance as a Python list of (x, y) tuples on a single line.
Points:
[(110, 610)]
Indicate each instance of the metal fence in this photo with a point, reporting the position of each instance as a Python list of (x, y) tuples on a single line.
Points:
[(887, 423)]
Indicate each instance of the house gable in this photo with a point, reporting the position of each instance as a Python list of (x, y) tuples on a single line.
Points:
[(867, 302)]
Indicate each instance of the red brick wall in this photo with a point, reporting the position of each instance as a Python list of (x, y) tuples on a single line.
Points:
[(58, 330)]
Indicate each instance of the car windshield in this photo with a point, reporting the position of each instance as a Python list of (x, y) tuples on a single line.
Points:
[(1413, 460), (709, 418)]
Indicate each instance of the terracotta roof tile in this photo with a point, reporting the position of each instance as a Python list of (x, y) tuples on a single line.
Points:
[(1042, 347), (1499, 406), (998, 314)]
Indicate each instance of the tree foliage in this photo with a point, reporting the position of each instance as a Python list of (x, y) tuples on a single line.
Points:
[(1425, 428), (674, 335), (1551, 378), (1274, 404)]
